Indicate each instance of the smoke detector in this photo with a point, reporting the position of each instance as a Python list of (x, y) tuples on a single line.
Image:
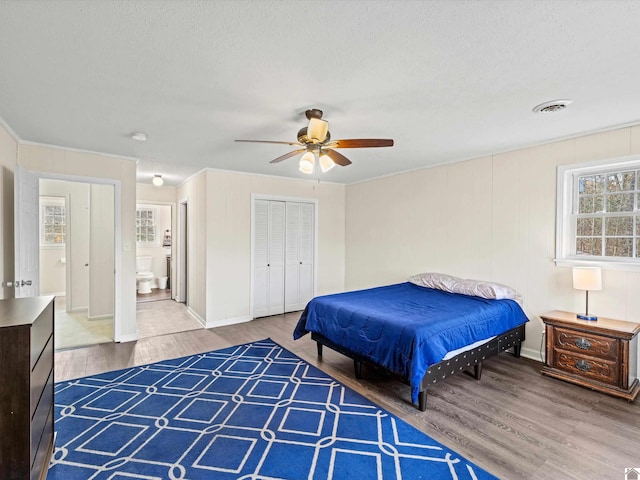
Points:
[(552, 106)]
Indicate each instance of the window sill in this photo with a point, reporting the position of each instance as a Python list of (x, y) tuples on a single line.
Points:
[(629, 266)]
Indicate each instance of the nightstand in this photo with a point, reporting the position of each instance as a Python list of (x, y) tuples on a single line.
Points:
[(601, 355)]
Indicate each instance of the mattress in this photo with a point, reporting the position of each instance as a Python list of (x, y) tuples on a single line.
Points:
[(405, 327)]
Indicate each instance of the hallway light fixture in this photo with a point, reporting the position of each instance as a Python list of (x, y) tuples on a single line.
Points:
[(157, 180)]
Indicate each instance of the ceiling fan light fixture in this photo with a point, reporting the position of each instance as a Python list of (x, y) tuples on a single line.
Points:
[(307, 162), (326, 162), (157, 180), (317, 130)]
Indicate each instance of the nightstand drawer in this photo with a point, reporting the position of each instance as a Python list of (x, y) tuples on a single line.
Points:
[(586, 343), (587, 367)]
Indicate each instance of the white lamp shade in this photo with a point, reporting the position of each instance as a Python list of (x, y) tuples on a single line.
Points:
[(307, 162), (587, 278), (317, 130), (326, 163)]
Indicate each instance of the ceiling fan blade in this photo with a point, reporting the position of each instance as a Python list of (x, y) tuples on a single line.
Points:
[(269, 141), (361, 143), (288, 155), (337, 157)]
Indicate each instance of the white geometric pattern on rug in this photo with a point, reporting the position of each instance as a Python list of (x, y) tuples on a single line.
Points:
[(253, 411)]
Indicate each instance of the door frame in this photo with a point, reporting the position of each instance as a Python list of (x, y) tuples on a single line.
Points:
[(282, 198), (117, 244), (182, 257)]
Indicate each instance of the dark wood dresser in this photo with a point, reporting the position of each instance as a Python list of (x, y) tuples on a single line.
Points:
[(26, 387), (601, 354)]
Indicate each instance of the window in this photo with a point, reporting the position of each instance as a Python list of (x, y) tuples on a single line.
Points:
[(146, 226), (599, 214), (53, 228)]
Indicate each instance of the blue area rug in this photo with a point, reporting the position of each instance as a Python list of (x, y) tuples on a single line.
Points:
[(253, 411)]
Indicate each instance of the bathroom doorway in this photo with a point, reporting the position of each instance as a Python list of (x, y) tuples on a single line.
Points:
[(157, 311), (154, 234)]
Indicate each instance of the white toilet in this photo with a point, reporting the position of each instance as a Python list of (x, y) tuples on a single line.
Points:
[(144, 275)]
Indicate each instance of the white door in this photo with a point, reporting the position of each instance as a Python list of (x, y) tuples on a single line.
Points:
[(261, 258), (292, 271), (299, 245), (306, 250), (26, 233), (268, 257), (101, 251), (276, 257)]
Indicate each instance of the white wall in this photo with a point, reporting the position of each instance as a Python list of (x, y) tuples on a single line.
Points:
[(121, 172), (149, 193), (491, 218), (8, 159), (220, 238), (193, 191)]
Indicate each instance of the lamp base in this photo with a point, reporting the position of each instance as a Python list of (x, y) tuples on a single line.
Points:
[(584, 316)]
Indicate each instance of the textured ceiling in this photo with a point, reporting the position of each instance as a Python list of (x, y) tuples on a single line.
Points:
[(447, 80)]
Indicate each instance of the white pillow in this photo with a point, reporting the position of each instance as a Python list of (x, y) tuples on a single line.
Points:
[(440, 281), (476, 288), (479, 288)]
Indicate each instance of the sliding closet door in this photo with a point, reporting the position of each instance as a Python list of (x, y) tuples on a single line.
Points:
[(268, 261), (276, 257), (299, 256)]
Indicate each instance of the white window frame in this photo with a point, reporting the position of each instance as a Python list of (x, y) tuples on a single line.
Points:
[(567, 185), (52, 201), (155, 242)]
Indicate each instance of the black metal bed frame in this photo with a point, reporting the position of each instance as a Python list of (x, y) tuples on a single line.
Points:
[(464, 361)]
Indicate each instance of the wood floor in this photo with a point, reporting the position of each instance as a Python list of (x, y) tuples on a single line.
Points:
[(515, 423)]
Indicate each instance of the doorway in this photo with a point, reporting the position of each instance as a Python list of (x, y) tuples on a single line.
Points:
[(168, 259), (77, 259), (154, 232)]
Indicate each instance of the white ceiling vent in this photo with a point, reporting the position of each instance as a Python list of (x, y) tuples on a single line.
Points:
[(552, 106)]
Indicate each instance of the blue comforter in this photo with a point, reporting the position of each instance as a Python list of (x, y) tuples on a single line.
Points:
[(406, 328)]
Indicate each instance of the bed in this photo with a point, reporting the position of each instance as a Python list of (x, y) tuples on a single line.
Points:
[(424, 330)]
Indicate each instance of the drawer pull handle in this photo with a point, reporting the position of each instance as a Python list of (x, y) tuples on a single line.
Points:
[(583, 344), (583, 366)]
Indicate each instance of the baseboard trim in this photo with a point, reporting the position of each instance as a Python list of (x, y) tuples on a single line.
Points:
[(531, 353), (196, 316), (100, 317), (132, 337), (228, 321), (55, 294)]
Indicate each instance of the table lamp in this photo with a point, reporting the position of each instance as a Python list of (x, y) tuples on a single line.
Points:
[(587, 278)]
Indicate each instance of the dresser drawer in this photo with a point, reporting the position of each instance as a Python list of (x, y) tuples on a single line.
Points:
[(586, 344), (40, 374), (39, 419), (41, 330), (603, 371)]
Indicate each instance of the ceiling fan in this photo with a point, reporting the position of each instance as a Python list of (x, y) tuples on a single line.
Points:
[(315, 139)]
